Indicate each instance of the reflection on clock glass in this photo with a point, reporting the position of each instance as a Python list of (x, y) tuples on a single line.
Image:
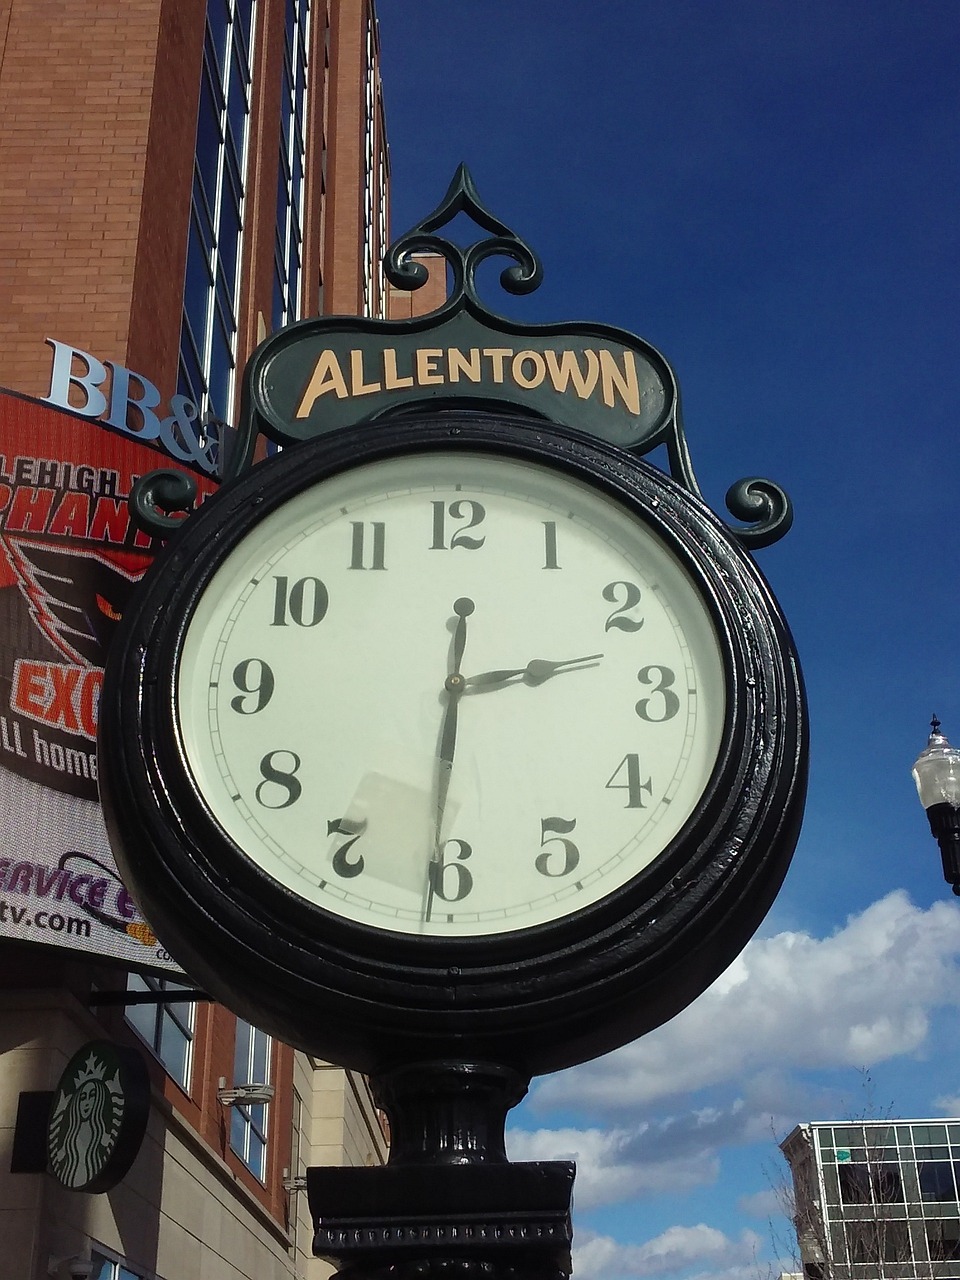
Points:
[(451, 694)]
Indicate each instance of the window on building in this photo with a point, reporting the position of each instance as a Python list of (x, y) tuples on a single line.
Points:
[(887, 1183), (854, 1183), (863, 1183), (105, 1268), (208, 338), (936, 1180), (288, 249), (373, 195), (167, 1026), (943, 1239), (248, 1123), (870, 1242)]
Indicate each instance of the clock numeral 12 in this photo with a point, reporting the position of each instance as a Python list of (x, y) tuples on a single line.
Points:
[(305, 603), (627, 777), (357, 547), (463, 509)]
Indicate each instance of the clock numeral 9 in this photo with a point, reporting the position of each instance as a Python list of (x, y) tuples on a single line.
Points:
[(263, 687), (627, 777), (341, 863), (670, 703), (305, 603), (571, 854), (274, 778), (459, 878), (618, 620), (462, 509)]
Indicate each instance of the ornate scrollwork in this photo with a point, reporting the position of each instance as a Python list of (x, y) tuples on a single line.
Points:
[(158, 493), (761, 504), (404, 273), (764, 507)]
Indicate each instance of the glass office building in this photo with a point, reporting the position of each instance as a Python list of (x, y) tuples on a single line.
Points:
[(877, 1200)]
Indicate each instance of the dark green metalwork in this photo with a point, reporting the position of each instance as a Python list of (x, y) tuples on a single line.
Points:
[(330, 372), (404, 273)]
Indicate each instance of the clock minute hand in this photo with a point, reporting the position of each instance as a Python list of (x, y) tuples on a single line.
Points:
[(535, 672), (453, 687)]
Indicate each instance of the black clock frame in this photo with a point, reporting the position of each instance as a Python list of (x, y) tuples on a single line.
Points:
[(537, 999)]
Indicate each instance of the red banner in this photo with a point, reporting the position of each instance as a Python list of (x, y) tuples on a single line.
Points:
[(69, 558)]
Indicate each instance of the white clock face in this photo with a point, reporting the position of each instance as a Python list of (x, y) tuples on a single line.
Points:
[(451, 694)]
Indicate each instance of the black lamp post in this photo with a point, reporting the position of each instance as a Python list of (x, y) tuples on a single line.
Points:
[(937, 775)]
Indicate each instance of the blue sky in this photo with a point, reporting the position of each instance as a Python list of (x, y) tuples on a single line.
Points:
[(767, 192)]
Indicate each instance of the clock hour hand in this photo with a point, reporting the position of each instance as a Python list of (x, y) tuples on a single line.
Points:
[(535, 672), (453, 687)]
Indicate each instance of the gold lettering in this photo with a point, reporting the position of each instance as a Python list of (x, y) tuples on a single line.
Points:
[(391, 379), (458, 363), (528, 382), (567, 369), (497, 355), (357, 385), (327, 376), (625, 382), (427, 374)]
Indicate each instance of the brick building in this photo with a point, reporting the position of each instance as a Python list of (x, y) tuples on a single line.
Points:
[(178, 179)]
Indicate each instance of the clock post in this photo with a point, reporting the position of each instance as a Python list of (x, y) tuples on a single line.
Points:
[(455, 744), (447, 1201)]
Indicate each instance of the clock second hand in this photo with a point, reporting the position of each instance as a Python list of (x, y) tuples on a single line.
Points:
[(535, 672), (453, 687)]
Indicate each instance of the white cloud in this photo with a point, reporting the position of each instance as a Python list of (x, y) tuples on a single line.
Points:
[(610, 1163), (676, 1250), (790, 1001), (672, 1153)]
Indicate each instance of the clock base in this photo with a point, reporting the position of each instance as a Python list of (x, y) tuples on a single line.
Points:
[(448, 1200)]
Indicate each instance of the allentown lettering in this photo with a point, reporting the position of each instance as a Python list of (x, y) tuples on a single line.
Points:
[(582, 373)]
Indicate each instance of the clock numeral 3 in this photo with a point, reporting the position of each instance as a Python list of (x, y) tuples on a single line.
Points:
[(341, 863), (670, 704), (452, 875), (627, 777), (357, 547), (553, 831), (304, 604), (263, 687), (630, 593), (464, 509), (276, 778)]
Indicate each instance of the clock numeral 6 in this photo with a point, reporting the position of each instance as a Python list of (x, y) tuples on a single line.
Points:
[(463, 509), (630, 593), (278, 780), (346, 827), (669, 704), (305, 603), (263, 686), (627, 777), (553, 831), (459, 878)]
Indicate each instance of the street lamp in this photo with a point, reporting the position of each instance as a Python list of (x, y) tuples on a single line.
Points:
[(937, 775)]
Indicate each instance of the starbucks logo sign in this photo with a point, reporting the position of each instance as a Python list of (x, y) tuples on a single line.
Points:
[(98, 1117)]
